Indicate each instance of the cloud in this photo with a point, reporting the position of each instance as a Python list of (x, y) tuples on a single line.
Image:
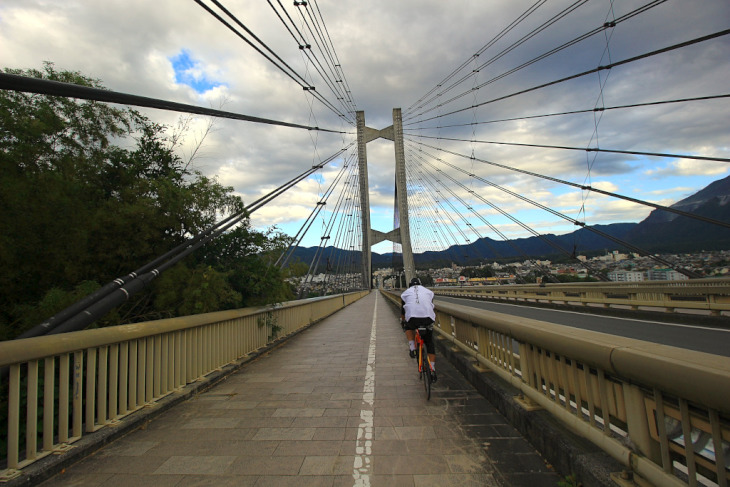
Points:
[(191, 72), (392, 54), (687, 167)]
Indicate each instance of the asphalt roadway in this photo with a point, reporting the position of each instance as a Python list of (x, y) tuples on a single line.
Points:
[(706, 339)]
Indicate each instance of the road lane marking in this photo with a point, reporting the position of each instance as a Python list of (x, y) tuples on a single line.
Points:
[(364, 444)]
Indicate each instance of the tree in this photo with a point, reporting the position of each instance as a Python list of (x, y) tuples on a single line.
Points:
[(82, 206)]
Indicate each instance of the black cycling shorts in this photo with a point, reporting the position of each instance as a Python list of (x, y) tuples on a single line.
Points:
[(415, 323)]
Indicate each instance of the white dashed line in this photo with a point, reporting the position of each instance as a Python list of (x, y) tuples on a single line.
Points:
[(364, 444)]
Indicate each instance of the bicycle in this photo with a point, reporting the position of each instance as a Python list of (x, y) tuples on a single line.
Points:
[(424, 363)]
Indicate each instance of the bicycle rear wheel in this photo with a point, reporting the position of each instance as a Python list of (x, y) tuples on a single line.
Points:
[(426, 372)]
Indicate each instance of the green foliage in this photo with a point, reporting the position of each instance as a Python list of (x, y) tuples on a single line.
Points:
[(91, 193), (573, 278), (470, 272), (569, 481), (297, 268), (184, 291), (426, 279), (271, 323)]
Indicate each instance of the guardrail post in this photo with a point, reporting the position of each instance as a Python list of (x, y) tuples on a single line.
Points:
[(637, 423)]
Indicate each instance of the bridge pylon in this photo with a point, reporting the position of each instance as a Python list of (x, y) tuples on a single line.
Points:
[(401, 234)]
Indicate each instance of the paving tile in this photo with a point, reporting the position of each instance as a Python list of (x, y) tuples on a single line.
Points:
[(466, 463), (327, 465), (415, 432), (211, 423), (293, 417), (379, 480), (311, 447), (467, 480), (212, 447), (409, 464), (195, 465), (284, 434), (289, 481), (292, 412), (129, 480), (323, 422), (78, 479), (126, 448), (341, 412), (115, 464), (329, 434), (218, 481), (263, 466)]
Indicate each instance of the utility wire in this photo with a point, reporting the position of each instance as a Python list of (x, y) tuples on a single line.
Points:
[(336, 59), (314, 264), (325, 50), (576, 222), (87, 310), (587, 188), (507, 240), (290, 72), (564, 13), (602, 28), (590, 71), (556, 246), (301, 233), (305, 47), (432, 181), (572, 112), (40, 86), (466, 63), (585, 149)]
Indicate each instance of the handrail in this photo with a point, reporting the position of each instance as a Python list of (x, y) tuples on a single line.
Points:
[(712, 295), (81, 381), (612, 390)]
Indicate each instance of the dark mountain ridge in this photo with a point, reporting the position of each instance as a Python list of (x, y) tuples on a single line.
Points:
[(661, 231)]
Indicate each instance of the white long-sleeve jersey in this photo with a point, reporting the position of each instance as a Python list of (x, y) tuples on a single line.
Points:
[(418, 303)]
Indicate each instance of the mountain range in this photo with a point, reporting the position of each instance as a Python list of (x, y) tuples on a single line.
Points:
[(661, 231)]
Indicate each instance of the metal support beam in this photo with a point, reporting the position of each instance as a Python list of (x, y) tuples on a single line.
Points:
[(363, 134), (402, 192), (400, 235)]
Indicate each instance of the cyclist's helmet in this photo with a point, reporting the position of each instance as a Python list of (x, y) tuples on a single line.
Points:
[(415, 282)]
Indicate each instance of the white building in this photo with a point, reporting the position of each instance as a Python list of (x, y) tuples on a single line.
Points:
[(664, 275), (626, 276)]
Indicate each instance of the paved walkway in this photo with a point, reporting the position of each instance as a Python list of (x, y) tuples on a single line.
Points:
[(340, 404)]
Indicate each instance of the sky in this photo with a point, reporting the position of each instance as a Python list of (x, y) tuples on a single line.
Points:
[(394, 53)]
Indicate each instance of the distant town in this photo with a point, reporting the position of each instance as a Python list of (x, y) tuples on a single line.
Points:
[(617, 266)]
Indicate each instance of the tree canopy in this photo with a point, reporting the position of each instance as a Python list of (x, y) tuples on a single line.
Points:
[(91, 192)]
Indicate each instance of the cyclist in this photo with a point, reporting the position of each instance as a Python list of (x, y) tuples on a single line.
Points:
[(417, 310)]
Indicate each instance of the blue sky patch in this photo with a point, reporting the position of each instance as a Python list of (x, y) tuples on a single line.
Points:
[(189, 71)]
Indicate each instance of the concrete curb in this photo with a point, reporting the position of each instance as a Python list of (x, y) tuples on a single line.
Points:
[(722, 322), (568, 453)]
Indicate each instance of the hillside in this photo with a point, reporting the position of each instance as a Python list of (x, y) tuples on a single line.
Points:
[(661, 231)]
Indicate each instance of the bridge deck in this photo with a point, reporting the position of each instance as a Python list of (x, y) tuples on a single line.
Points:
[(339, 404)]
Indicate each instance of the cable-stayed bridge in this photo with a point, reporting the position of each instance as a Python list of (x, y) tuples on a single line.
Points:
[(641, 403)]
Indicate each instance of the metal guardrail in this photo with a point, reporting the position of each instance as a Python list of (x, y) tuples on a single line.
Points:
[(63, 386), (712, 295), (661, 411)]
